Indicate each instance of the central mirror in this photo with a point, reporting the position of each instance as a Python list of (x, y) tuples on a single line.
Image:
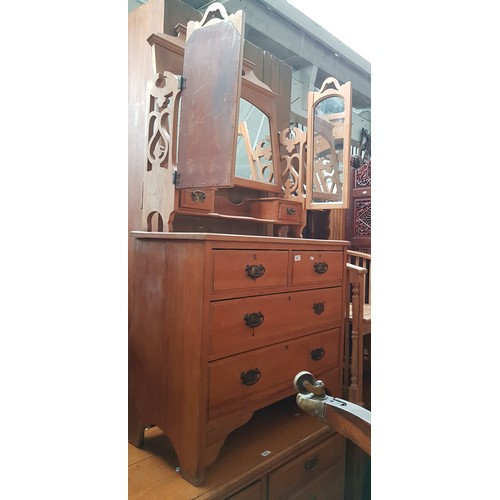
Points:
[(254, 159)]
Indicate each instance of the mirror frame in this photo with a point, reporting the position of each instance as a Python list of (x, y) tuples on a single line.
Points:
[(330, 88)]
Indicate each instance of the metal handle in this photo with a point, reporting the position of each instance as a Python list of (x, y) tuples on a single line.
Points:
[(321, 267), (291, 211), (317, 354), (253, 320), (198, 196), (250, 377), (255, 271), (312, 463), (318, 307)]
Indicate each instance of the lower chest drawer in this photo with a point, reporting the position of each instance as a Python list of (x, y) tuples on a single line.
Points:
[(243, 324), (319, 471), (245, 380)]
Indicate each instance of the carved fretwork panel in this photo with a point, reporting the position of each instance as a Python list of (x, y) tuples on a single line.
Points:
[(363, 175), (158, 190), (362, 217), (293, 147)]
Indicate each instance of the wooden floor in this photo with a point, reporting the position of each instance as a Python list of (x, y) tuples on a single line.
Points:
[(153, 470), (154, 474)]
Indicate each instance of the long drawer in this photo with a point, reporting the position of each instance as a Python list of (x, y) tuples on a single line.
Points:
[(246, 379), (243, 324)]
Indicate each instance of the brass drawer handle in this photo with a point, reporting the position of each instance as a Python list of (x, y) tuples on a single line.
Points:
[(291, 211), (250, 377), (198, 196), (312, 463), (321, 267), (319, 307), (255, 271), (253, 320), (317, 354)]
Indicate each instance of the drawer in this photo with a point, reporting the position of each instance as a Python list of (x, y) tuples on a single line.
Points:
[(276, 209), (243, 324), (308, 468), (243, 380), (249, 269), (197, 199), (255, 491), (317, 267), (329, 485), (289, 212)]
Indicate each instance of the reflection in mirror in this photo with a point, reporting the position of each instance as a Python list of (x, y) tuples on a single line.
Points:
[(253, 149), (328, 150)]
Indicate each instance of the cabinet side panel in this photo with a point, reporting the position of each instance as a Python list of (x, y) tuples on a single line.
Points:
[(183, 385), (145, 334)]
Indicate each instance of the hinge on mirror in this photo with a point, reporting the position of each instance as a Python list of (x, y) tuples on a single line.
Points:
[(175, 177), (182, 82)]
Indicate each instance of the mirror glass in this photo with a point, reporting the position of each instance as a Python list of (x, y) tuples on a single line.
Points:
[(253, 148), (328, 150)]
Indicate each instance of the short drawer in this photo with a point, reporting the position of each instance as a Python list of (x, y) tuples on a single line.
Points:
[(249, 269), (276, 209), (243, 380), (197, 199), (307, 468), (289, 212), (317, 267), (242, 324)]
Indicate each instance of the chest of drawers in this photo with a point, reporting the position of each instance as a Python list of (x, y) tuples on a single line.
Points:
[(219, 327)]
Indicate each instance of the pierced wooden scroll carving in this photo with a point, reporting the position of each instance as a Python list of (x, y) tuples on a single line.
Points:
[(164, 91), (293, 146), (215, 13), (158, 192)]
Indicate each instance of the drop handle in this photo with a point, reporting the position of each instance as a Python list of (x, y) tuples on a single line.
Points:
[(198, 196), (320, 267), (318, 307), (250, 377), (253, 320), (312, 463), (255, 271), (291, 211), (317, 354)]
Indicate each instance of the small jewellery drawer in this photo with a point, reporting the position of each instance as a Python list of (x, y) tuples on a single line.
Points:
[(242, 324), (197, 199), (289, 477), (242, 380), (317, 267), (276, 209), (249, 269), (289, 212)]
